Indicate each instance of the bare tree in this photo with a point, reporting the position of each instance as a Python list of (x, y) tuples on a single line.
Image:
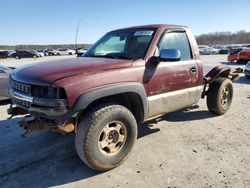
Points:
[(240, 37)]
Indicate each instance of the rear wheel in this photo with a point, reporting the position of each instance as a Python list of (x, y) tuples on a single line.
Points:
[(220, 95), (105, 136)]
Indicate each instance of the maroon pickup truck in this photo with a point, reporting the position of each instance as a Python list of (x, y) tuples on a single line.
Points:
[(129, 76)]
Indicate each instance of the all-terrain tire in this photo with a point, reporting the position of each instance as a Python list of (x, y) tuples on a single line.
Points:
[(220, 95), (90, 130)]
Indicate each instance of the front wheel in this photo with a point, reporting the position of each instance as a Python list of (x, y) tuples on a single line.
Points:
[(220, 96), (105, 136)]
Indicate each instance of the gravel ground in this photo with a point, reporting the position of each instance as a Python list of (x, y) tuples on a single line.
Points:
[(188, 148)]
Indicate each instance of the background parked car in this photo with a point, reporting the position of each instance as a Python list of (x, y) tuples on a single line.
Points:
[(11, 52), (4, 81), (50, 52), (243, 56), (202, 48), (247, 70), (217, 49), (23, 54), (233, 56), (209, 51), (224, 50), (40, 52), (4, 54), (65, 51), (235, 49), (246, 46), (81, 51)]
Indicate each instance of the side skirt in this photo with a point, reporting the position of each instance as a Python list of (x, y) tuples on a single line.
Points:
[(173, 101)]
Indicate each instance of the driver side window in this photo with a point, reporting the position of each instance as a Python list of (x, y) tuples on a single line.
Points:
[(176, 40)]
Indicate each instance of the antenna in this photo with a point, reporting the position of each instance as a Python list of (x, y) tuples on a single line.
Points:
[(77, 33)]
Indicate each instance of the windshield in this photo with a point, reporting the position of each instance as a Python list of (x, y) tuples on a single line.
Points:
[(123, 44)]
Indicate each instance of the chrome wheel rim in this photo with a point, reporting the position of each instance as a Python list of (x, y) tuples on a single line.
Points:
[(226, 97), (112, 138)]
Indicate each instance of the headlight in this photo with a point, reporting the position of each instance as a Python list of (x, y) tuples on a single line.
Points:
[(48, 92)]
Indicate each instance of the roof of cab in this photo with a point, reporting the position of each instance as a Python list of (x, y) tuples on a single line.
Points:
[(156, 26)]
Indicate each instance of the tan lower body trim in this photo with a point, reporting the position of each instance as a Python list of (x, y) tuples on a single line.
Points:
[(172, 101)]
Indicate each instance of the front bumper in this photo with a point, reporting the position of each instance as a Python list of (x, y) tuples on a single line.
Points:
[(47, 107)]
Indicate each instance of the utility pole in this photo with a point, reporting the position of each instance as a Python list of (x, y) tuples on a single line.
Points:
[(77, 28)]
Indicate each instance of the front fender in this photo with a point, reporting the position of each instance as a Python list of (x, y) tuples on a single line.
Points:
[(88, 97)]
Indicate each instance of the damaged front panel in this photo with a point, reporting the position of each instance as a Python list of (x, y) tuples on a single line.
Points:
[(34, 122)]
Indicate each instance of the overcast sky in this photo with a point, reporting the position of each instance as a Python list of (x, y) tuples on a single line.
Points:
[(55, 21)]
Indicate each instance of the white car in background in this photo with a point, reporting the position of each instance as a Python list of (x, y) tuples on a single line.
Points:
[(202, 48), (209, 51), (65, 51), (40, 53)]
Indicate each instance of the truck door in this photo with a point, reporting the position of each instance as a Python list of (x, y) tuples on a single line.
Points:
[(173, 85)]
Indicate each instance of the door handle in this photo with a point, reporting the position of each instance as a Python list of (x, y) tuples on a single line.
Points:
[(193, 70)]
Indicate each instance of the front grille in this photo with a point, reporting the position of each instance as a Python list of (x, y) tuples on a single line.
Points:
[(20, 87)]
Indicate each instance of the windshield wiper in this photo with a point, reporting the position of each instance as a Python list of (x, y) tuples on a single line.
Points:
[(105, 56), (110, 56), (124, 57)]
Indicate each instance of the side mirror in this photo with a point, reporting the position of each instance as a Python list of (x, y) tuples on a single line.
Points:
[(170, 55)]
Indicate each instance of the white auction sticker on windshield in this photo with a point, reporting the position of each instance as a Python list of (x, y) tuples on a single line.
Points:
[(143, 33)]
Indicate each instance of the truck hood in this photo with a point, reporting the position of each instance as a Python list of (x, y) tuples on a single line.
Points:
[(48, 72)]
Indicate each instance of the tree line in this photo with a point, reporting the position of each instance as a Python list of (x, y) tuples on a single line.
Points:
[(215, 38), (220, 38), (36, 47)]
